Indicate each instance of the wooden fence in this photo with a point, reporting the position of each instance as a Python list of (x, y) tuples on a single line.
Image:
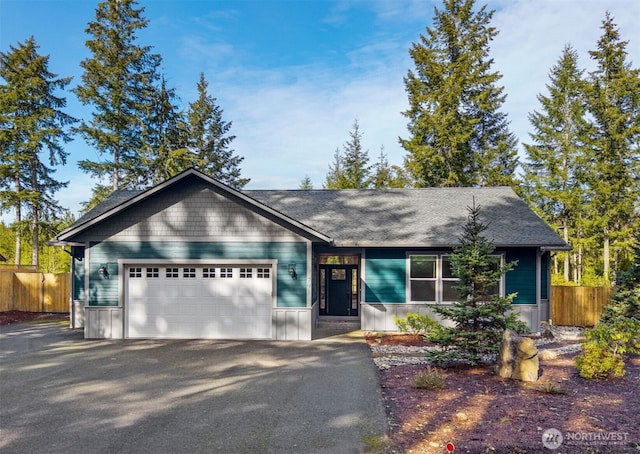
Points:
[(34, 292), (578, 306)]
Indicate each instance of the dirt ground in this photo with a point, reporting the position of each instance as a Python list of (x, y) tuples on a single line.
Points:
[(480, 412), (11, 317)]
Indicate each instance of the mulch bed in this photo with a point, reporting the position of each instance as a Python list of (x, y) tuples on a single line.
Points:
[(480, 412), (12, 317)]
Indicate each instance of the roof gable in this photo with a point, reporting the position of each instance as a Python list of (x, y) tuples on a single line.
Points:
[(121, 201)]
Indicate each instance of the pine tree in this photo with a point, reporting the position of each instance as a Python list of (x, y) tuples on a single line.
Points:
[(209, 139), (336, 178), (119, 82), (614, 175), (306, 183), (626, 298), (350, 169), (166, 151), (386, 175), (459, 137), (554, 176), (480, 315), (32, 122)]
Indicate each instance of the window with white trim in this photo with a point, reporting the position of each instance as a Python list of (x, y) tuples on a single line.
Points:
[(226, 272), (153, 272), (264, 273), (246, 273), (171, 273), (208, 273), (135, 272), (431, 278), (189, 273)]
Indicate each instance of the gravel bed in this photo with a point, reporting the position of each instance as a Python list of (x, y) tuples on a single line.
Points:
[(387, 356)]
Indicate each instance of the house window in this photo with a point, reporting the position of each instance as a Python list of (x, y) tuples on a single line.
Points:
[(208, 273), (226, 272), (422, 273), (135, 272), (246, 273), (171, 273), (264, 273), (431, 279), (189, 273)]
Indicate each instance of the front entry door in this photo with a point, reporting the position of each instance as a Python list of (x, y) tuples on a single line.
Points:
[(339, 297)]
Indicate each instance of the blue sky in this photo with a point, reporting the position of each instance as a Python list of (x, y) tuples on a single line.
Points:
[(292, 76)]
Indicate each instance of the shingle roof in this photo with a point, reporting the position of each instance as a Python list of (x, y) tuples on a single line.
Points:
[(432, 217)]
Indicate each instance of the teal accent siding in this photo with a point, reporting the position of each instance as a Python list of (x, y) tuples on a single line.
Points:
[(386, 276), (522, 279), (290, 292), (546, 263)]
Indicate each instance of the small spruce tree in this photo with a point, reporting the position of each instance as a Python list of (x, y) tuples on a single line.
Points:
[(480, 315)]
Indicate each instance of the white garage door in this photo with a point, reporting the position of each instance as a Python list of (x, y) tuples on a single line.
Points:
[(199, 302)]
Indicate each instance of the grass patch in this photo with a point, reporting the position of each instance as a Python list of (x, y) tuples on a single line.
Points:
[(431, 378)]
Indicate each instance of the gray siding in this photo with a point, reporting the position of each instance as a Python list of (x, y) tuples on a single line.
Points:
[(191, 213)]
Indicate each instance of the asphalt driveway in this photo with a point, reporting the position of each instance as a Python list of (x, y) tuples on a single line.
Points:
[(62, 393)]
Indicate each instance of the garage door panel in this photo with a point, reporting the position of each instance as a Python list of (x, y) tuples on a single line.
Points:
[(199, 302)]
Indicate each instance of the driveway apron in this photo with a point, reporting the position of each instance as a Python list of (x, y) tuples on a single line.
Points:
[(62, 393)]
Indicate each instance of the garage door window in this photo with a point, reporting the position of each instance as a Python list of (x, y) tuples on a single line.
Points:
[(171, 273), (135, 272), (264, 273), (208, 273), (226, 272), (246, 273), (189, 273), (153, 272)]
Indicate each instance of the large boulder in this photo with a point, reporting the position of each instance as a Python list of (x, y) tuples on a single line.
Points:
[(518, 357)]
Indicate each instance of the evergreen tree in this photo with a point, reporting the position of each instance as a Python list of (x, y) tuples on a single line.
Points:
[(614, 176), (480, 315), (351, 169), (166, 150), (336, 178), (459, 137), (209, 139), (626, 298), (32, 123), (386, 175), (119, 82), (554, 174), (306, 183)]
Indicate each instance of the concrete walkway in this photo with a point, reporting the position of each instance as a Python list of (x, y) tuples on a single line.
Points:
[(62, 393)]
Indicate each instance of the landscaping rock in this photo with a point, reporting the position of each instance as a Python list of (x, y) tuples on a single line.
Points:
[(518, 357)]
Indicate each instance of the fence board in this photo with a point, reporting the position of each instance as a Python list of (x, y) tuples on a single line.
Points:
[(578, 306), (35, 292)]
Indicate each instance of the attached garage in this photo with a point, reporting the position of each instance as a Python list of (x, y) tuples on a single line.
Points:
[(204, 301)]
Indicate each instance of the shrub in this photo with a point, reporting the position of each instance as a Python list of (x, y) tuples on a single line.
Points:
[(431, 378), (604, 348), (416, 324)]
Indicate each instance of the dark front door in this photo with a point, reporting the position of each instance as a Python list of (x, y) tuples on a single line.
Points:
[(339, 290)]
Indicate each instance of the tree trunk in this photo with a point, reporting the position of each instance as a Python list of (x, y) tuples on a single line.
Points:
[(605, 257), (18, 220), (565, 229)]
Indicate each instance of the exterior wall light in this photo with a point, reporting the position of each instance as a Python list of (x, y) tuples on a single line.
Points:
[(292, 271), (104, 273)]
